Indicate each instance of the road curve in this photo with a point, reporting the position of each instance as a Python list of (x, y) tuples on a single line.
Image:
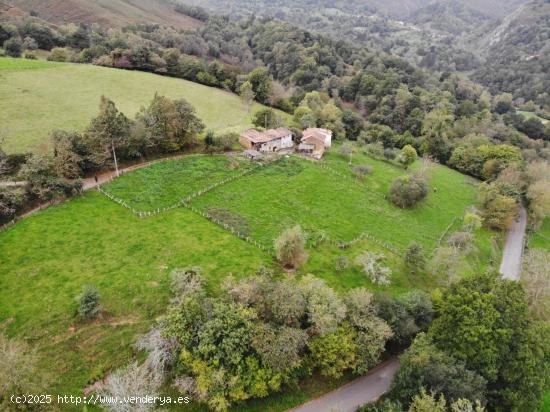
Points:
[(349, 397), (510, 267)]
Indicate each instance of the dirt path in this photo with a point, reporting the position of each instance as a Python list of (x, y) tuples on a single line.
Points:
[(510, 267), (356, 393)]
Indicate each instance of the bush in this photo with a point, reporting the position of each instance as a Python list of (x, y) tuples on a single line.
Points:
[(58, 54), (360, 171), (342, 263), (414, 258), (371, 263), (88, 307), (30, 55), (290, 247), (460, 240), (13, 47), (186, 281), (407, 191)]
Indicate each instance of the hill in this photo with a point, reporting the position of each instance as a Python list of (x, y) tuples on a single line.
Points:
[(37, 97), (108, 13), (518, 54)]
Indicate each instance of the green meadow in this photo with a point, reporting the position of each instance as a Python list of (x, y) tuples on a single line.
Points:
[(47, 258), (37, 97)]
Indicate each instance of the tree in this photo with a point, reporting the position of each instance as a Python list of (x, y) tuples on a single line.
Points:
[(535, 277), (20, 373), (10, 201), (371, 332), (267, 118), (247, 94), (108, 131), (210, 141), (334, 352), (13, 47), (425, 402), (88, 303), (538, 195), (225, 337), (408, 156), (43, 181), (169, 125), (407, 191), (290, 247), (325, 310), (414, 258), (261, 83), (484, 322), (280, 348), (424, 366), (67, 162), (371, 263), (436, 127), (346, 150), (498, 208)]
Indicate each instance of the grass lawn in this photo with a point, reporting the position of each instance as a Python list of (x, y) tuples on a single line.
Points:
[(91, 240), (37, 97), (541, 238), (165, 183), (298, 191), (531, 115), (545, 403)]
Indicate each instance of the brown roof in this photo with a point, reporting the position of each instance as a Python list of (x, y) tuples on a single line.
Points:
[(316, 131), (255, 136), (315, 136)]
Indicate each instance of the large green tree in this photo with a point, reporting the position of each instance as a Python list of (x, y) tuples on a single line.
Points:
[(484, 322)]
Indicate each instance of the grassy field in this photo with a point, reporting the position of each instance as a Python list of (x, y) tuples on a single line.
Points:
[(37, 97), (165, 183), (297, 191), (541, 238), (530, 115), (92, 240)]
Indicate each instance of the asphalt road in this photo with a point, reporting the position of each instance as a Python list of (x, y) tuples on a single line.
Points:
[(349, 397), (510, 267)]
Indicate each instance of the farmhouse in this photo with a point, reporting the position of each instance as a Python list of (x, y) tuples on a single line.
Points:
[(324, 134), (271, 140), (315, 141)]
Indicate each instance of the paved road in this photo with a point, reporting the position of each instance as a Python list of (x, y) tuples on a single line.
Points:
[(510, 267), (349, 397)]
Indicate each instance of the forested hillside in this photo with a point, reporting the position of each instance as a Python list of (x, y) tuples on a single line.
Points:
[(518, 54)]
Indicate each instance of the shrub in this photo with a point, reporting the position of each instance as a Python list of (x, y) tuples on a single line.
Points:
[(58, 54), (290, 247), (460, 240), (389, 153), (186, 281), (342, 263), (371, 265), (360, 171), (407, 191), (13, 47), (19, 372), (414, 258), (89, 302), (132, 381), (408, 156), (30, 55)]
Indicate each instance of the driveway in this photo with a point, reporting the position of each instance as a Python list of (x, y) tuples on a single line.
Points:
[(510, 267), (349, 397)]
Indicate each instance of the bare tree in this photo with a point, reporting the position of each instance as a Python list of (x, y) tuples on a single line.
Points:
[(535, 277)]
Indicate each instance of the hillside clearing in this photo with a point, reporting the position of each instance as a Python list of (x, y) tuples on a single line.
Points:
[(37, 97)]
